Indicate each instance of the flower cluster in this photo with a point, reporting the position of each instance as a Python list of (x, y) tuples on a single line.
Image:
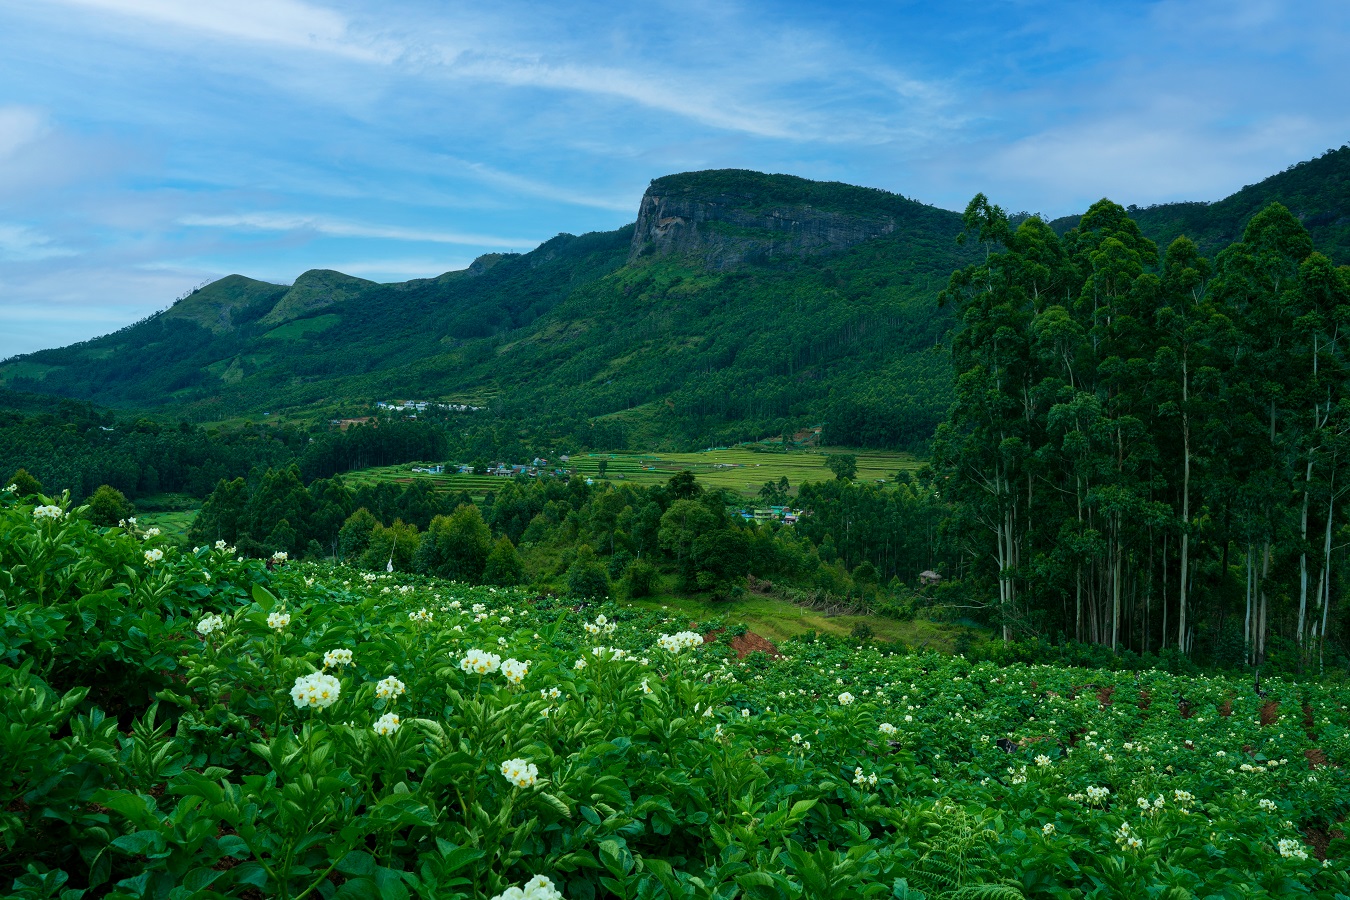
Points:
[(1291, 849), (339, 657), (387, 723), (480, 662), (319, 690), (513, 670), (887, 728), (279, 556), (520, 772), (683, 640), (1267, 805), (278, 620), (389, 688), (1126, 838), (550, 693), (47, 512), (845, 698), (210, 623), (422, 615), (601, 624), (154, 555), (537, 888), (870, 779)]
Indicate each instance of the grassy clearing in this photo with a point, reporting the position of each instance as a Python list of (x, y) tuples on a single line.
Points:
[(778, 620), (740, 470), (174, 525)]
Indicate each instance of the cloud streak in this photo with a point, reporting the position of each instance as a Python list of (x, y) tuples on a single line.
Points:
[(266, 221)]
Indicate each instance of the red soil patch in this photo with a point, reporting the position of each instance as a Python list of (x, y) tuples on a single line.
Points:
[(1270, 713), (1104, 695), (745, 644), (1319, 838), (1226, 708), (1145, 699), (1316, 756)]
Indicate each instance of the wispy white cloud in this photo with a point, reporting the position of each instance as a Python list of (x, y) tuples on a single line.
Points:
[(519, 184), (266, 221), (20, 126), (19, 243), (288, 23)]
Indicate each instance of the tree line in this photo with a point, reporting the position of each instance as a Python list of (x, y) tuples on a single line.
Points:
[(1149, 450), (858, 544)]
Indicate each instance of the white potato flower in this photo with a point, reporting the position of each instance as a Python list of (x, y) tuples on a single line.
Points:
[(537, 888), (845, 698), (675, 643), (47, 512), (319, 690), (480, 662), (514, 670), (886, 728), (387, 723), (278, 620), (389, 688), (339, 657), (154, 555), (520, 772), (280, 556), (210, 623)]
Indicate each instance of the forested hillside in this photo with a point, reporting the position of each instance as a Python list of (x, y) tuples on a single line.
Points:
[(826, 315), (740, 305), (1316, 191)]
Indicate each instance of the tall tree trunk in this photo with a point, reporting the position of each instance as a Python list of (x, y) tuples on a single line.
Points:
[(1303, 552), (1115, 587), (1248, 650), (1185, 507)]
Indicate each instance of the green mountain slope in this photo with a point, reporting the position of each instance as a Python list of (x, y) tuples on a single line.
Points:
[(1317, 191), (738, 305)]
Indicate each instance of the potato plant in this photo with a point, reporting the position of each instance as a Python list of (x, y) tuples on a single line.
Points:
[(182, 723)]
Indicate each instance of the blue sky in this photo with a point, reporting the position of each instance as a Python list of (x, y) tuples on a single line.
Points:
[(147, 146)]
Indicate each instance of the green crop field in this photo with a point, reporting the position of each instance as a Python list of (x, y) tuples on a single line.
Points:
[(221, 727), (740, 470)]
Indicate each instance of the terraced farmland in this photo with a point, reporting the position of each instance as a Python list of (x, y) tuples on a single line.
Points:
[(740, 470)]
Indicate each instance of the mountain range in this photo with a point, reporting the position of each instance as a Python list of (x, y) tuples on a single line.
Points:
[(738, 305)]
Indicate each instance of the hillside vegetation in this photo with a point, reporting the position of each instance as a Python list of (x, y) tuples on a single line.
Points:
[(741, 305)]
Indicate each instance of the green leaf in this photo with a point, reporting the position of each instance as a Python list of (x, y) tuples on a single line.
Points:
[(357, 862), (138, 842), (263, 598)]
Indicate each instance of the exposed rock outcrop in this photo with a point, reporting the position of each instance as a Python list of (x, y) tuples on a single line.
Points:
[(730, 217)]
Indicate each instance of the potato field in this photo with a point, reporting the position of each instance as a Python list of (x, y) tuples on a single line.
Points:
[(183, 723)]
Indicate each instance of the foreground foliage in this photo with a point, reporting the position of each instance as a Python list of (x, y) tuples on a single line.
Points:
[(287, 730)]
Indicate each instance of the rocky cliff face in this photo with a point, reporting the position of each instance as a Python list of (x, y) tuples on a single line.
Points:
[(727, 218)]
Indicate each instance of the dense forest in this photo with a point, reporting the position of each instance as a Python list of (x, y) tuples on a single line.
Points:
[(1148, 447)]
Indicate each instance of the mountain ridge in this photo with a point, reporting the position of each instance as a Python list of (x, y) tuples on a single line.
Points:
[(738, 304)]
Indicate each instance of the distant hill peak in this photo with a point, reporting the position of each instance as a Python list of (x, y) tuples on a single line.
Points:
[(728, 217), (217, 306), (312, 291)]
